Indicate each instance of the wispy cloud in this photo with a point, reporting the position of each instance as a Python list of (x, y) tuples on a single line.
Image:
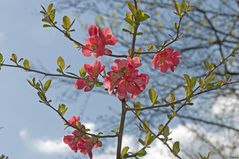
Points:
[(44, 146)]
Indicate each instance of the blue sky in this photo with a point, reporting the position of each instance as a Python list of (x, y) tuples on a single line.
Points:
[(30, 129)]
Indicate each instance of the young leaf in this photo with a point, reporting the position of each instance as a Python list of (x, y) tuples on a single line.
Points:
[(52, 15), (14, 58), (26, 64), (47, 85), (147, 137), (144, 17), (153, 95), (42, 96), (141, 153), (127, 31), (49, 8), (184, 5), (206, 65), (176, 148), (61, 63), (150, 47), (66, 23), (62, 109), (124, 151), (132, 9), (82, 72), (137, 105), (193, 82), (1, 58), (178, 8)]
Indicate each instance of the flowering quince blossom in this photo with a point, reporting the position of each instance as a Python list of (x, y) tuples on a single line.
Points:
[(97, 41), (125, 78), (93, 71), (74, 120), (81, 142), (168, 58)]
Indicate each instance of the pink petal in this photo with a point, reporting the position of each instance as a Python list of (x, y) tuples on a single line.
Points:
[(93, 30)]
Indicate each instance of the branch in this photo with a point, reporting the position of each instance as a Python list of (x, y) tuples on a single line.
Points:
[(75, 127), (39, 72), (121, 129)]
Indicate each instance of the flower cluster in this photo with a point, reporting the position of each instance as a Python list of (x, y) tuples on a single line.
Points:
[(89, 81), (122, 80), (125, 78), (168, 58), (97, 41), (79, 141)]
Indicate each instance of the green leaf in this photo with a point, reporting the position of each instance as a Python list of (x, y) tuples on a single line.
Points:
[(176, 26), (127, 31), (176, 148), (201, 83), (206, 65), (144, 17), (150, 47), (193, 82), (151, 139), (124, 151), (132, 9), (141, 153), (62, 109), (82, 72), (184, 5), (153, 95), (46, 25), (26, 64), (49, 8), (187, 79), (139, 33), (98, 84), (129, 19), (211, 77), (178, 8), (61, 63), (42, 96), (165, 132), (137, 105), (14, 58), (1, 58), (52, 15), (66, 23), (47, 85), (147, 137)]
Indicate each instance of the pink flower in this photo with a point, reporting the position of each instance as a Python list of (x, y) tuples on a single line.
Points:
[(94, 69), (97, 41), (168, 58), (70, 141), (83, 143), (124, 78), (87, 84), (89, 81), (74, 120)]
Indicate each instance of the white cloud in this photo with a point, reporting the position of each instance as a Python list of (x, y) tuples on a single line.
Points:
[(51, 146), (44, 146), (225, 106), (157, 150), (188, 142)]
